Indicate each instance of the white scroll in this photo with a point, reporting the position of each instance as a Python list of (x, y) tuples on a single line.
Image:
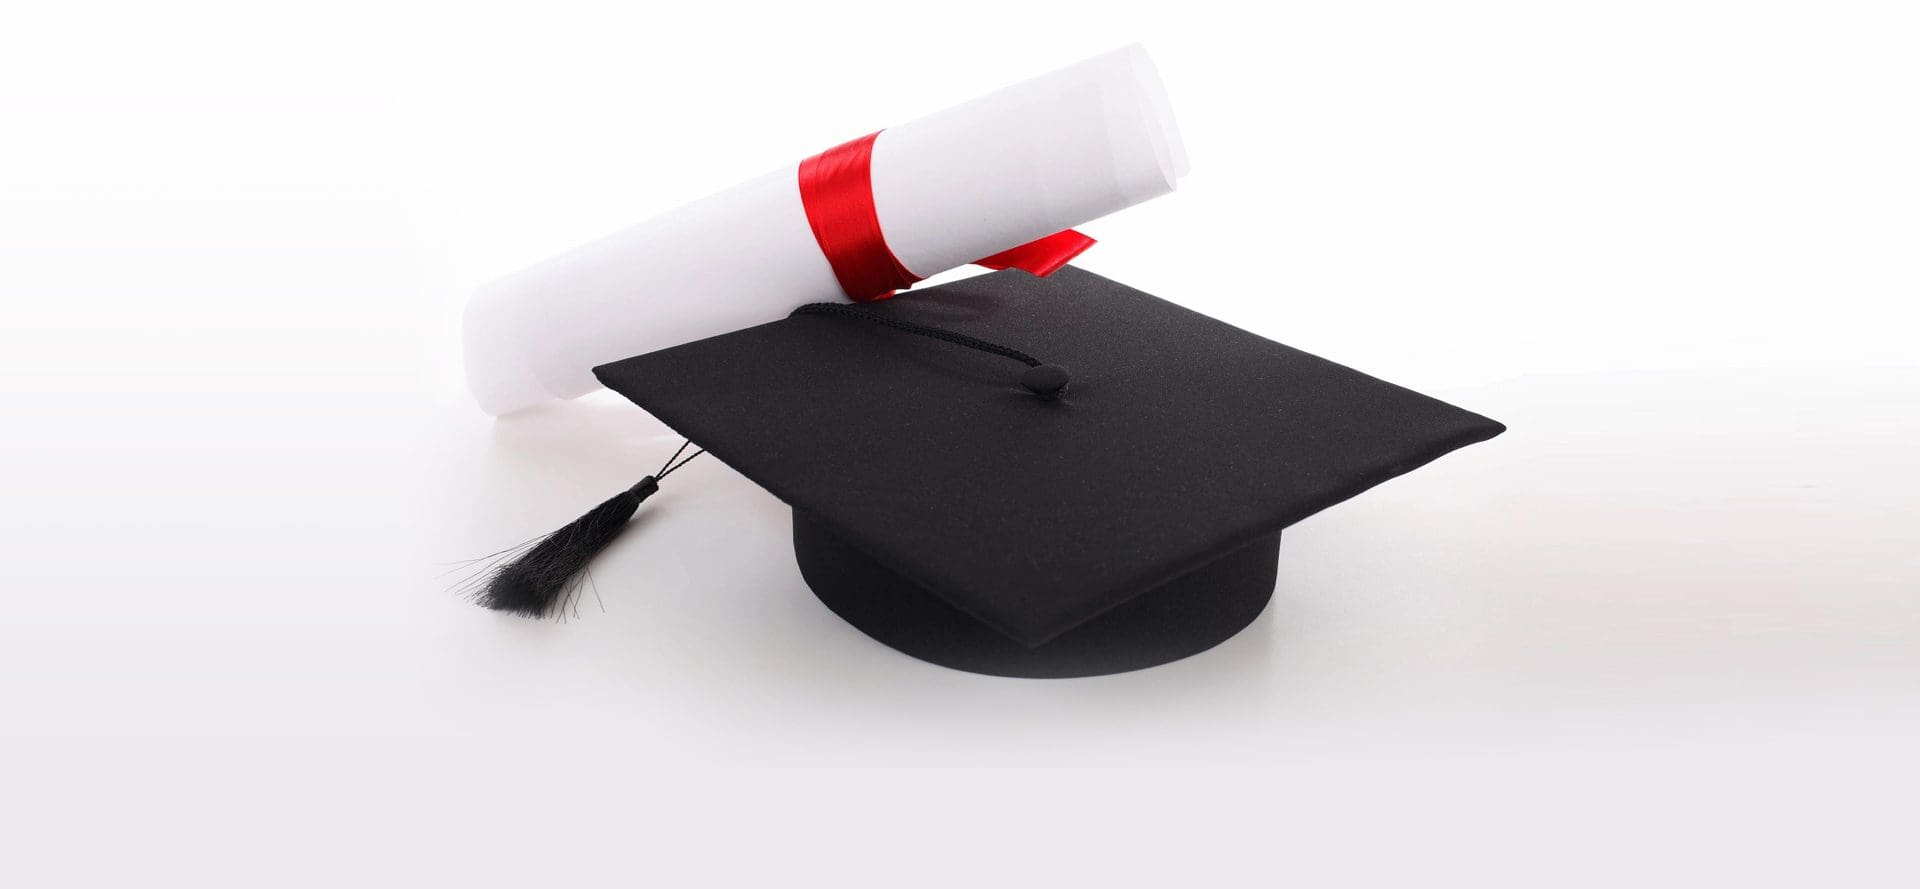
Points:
[(949, 188)]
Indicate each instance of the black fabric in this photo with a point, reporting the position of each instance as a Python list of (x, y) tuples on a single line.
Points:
[(1180, 440), (1185, 616)]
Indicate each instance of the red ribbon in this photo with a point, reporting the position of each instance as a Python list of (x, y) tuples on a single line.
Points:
[(836, 187)]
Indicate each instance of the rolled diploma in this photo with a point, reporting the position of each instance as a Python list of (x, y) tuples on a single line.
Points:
[(950, 188)]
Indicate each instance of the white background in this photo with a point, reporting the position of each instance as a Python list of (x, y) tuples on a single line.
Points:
[(1666, 630)]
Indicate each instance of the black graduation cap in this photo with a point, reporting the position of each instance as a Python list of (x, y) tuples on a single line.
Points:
[(1115, 504)]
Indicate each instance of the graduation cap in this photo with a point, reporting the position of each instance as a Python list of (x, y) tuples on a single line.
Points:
[(1021, 476)]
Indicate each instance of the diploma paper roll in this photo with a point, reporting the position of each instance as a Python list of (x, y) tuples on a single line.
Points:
[(950, 188)]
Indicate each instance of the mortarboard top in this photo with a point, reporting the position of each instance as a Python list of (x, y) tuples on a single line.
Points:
[(951, 513)]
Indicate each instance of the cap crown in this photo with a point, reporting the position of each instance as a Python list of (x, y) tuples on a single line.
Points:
[(1180, 438)]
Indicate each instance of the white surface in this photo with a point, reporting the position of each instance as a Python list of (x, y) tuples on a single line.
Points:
[(957, 185), (1663, 632)]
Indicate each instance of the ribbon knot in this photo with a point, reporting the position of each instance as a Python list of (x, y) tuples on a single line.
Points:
[(836, 188)]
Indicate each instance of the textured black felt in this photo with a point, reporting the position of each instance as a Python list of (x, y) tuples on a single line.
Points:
[(1180, 440), (1185, 616)]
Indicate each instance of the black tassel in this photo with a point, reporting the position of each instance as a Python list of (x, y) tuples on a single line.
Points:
[(537, 577), (533, 584)]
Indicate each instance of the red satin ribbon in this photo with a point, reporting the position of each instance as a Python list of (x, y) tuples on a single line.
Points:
[(836, 188)]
